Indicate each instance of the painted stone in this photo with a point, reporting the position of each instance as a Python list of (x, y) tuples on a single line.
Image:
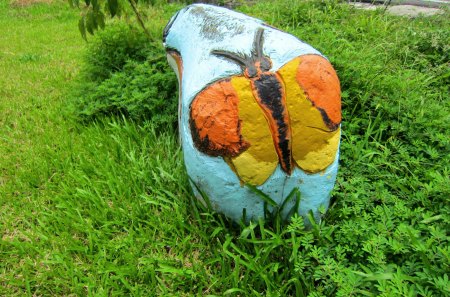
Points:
[(258, 108)]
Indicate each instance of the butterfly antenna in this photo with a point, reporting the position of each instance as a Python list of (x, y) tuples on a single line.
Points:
[(258, 43), (231, 56)]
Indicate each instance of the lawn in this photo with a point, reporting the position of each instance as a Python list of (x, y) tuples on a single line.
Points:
[(102, 206)]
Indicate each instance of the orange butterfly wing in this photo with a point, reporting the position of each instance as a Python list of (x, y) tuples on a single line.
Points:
[(214, 121), (320, 82), (226, 121), (314, 105)]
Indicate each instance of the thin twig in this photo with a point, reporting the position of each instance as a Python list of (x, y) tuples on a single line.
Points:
[(139, 18)]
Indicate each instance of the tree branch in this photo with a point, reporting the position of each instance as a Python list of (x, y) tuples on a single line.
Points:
[(140, 21)]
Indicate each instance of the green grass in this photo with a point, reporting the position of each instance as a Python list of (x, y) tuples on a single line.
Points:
[(104, 209)]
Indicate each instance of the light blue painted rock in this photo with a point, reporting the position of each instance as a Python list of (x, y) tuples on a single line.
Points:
[(258, 108)]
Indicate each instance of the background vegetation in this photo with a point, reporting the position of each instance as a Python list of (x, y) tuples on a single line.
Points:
[(94, 199)]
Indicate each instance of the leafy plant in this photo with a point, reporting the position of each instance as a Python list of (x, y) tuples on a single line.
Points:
[(93, 15), (124, 74), (110, 50), (140, 91)]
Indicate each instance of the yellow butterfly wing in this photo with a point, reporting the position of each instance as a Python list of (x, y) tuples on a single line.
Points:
[(257, 163)]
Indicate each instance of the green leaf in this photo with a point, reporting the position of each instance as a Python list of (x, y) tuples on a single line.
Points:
[(262, 195), (166, 268), (248, 230), (216, 231), (203, 195), (100, 17), (82, 28), (244, 216), (113, 7), (233, 290), (91, 22), (296, 206), (95, 5), (431, 219), (295, 193), (374, 276)]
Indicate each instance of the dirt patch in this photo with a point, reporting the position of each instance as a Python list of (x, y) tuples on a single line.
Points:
[(25, 3), (401, 10), (413, 11), (225, 3)]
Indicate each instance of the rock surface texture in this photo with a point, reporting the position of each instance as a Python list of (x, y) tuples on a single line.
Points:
[(258, 108)]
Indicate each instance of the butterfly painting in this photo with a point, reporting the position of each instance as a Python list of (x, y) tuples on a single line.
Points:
[(259, 114), (261, 119)]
